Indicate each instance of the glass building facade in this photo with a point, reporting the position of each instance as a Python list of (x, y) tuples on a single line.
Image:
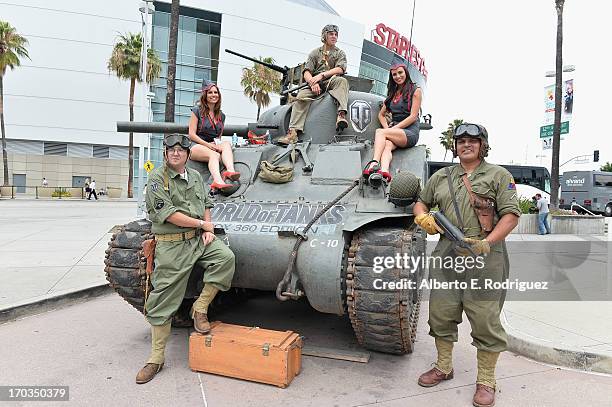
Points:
[(197, 58), (375, 63)]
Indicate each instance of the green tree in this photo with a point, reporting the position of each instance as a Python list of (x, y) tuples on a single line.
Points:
[(606, 167), (259, 81), (12, 48), (125, 62), (446, 139)]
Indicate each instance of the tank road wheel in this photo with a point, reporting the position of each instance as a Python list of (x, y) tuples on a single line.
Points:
[(384, 319), (608, 210), (125, 266)]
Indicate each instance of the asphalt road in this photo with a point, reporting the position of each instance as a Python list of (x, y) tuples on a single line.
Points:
[(97, 347)]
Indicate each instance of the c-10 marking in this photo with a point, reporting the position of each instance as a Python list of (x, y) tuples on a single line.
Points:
[(325, 243)]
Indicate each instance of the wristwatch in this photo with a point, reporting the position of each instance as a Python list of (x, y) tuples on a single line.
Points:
[(201, 224)]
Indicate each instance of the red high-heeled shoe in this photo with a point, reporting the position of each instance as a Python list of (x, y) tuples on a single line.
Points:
[(222, 187), (234, 176), (369, 168), (386, 175)]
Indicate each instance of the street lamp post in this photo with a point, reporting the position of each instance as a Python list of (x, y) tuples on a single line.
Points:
[(146, 7)]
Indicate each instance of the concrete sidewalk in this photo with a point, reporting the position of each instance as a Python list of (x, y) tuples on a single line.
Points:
[(53, 252), (50, 249)]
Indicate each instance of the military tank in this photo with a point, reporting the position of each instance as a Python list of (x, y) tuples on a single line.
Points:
[(320, 236)]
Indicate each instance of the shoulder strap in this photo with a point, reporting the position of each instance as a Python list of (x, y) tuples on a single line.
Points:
[(452, 193), (468, 185)]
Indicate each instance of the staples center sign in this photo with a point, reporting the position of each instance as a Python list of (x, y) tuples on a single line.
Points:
[(399, 44)]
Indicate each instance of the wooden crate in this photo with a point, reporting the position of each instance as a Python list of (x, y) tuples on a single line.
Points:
[(250, 353)]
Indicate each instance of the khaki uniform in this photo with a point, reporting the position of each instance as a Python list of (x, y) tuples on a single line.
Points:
[(174, 260), (337, 86), (481, 306)]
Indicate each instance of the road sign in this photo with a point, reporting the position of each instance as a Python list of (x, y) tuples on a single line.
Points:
[(547, 143), (148, 166), (547, 131)]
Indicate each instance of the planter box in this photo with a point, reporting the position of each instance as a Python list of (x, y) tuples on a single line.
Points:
[(114, 192), (565, 224), (45, 192), (6, 192)]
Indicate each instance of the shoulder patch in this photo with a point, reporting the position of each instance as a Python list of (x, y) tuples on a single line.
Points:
[(159, 203), (154, 186), (511, 185)]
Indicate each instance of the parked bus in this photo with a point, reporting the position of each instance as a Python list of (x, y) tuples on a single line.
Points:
[(537, 177), (590, 189)]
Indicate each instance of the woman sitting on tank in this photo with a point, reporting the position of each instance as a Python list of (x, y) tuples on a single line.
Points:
[(205, 129), (403, 102)]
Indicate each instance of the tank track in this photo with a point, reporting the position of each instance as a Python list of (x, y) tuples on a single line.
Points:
[(125, 263), (383, 320)]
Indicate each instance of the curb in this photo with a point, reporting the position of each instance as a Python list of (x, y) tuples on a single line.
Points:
[(546, 352), (53, 302)]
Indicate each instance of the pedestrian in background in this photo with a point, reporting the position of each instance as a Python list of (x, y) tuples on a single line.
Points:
[(45, 183), (92, 190), (542, 206)]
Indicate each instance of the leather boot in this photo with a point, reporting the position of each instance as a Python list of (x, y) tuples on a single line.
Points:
[(148, 372), (159, 338), (290, 138), (443, 369), (484, 396), (433, 377), (341, 122), (199, 310), (485, 381)]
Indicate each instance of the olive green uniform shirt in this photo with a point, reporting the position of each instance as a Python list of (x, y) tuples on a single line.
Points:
[(186, 196), (318, 61)]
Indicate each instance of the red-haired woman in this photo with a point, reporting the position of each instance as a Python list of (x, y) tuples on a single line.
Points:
[(205, 129), (404, 103)]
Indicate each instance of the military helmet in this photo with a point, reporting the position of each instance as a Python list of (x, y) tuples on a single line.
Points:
[(327, 29), (472, 130), (404, 189), (181, 139)]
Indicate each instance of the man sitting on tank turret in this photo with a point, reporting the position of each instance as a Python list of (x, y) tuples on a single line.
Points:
[(325, 63)]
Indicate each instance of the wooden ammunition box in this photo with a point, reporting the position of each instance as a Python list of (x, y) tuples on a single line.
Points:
[(250, 353)]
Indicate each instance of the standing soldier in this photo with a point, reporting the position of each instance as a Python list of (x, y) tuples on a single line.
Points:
[(327, 62), (481, 199), (179, 208)]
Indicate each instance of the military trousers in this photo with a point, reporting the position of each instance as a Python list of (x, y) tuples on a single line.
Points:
[(481, 303), (174, 262), (337, 86)]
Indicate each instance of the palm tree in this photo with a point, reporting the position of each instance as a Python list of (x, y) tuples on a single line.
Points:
[(172, 42), (12, 47), (125, 62), (446, 139), (258, 82), (606, 167), (554, 185)]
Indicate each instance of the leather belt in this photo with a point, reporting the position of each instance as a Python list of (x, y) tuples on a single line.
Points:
[(176, 237)]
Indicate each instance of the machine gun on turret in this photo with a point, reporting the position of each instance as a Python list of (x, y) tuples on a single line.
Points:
[(285, 71)]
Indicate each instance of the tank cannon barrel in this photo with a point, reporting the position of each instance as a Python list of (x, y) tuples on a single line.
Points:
[(167, 128), (276, 68)]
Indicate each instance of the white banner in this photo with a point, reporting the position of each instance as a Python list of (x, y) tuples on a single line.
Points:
[(567, 104)]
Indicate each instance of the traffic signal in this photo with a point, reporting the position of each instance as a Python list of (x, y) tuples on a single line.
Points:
[(596, 156)]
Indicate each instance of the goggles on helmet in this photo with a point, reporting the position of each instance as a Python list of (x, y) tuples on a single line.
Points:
[(469, 130), (180, 139)]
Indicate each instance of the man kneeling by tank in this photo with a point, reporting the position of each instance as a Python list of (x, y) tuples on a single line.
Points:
[(179, 209), (322, 71)]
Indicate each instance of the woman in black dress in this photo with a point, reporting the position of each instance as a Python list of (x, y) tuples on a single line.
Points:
[(205, 129), (404, 103)]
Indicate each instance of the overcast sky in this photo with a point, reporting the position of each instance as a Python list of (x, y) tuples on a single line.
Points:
[(487, 59)]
